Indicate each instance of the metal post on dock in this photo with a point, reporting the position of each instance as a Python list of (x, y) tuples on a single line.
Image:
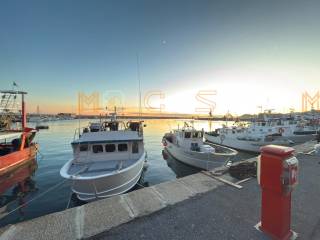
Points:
[(278, 171)]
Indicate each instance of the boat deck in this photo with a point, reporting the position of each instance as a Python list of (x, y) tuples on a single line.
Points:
[(92, 169)]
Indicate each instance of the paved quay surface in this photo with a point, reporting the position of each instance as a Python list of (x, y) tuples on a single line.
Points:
[(229, 213)]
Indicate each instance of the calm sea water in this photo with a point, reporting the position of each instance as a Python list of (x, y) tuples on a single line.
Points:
[(47, 192)]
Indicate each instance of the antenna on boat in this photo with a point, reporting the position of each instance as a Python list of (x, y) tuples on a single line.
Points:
[(78, 115), (139, 80), (115, 113)]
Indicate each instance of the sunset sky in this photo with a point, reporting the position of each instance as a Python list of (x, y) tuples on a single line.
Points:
[(250, 53)]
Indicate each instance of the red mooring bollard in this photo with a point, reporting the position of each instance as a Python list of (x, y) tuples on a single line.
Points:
[(277, 175)]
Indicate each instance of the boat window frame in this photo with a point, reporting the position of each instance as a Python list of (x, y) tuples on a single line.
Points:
[(189, 135), (195, 134), (135, 143), (84, 145), (126, 144), (114, 150), (95, 145)]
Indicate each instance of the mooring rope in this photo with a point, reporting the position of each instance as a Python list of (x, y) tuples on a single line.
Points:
[(42, 194), (140, 185), (69, 201), (35, 198)]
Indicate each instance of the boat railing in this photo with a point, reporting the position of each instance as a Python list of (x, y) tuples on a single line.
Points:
[(223, 150), (210, 165), (78, 132)]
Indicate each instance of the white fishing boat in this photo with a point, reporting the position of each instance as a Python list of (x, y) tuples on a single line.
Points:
[(246, 138), (186, 145), (297, 130), (109, 158)]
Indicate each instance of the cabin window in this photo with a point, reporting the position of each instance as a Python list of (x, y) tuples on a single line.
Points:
[(84, 148), (123, 147), (195, 134), (97, 148), (110, 148), (187, 134), (135, 147)]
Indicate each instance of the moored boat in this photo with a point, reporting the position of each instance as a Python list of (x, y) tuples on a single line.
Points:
[(108, 160), (186, 145), (297, 130), (16, 146), (294, 128), (245, 139)]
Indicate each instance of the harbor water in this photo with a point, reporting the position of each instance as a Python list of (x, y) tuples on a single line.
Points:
[(48, 192)]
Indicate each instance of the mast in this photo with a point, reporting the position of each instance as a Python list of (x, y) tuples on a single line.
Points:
[(139, 80), (23, 112), (8, 104)]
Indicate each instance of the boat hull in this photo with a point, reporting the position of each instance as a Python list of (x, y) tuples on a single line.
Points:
[(15, 159), (243, 145), (103, 186), (297, 139), (17, 175), (206, 161)]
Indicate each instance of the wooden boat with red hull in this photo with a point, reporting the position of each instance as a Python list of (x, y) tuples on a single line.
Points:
[(16, 146), (18, 151)]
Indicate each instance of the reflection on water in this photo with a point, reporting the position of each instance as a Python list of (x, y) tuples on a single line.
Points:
[(15, 186), (179, 168), (55, 151)]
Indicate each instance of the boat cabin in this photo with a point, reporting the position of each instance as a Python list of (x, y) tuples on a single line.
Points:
[(189, 138), (113, 150), (113, 140), (13, 141), (114, 126)]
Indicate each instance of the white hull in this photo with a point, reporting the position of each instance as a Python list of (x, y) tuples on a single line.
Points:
[(207, 161), (244, 145), (88, 188), (301, 138)]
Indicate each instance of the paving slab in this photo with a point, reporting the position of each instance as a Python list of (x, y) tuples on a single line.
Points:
[(144, 201), (7, 232), (173, 191), (200, 183), (54, 226), (4, 229), (104, 214)]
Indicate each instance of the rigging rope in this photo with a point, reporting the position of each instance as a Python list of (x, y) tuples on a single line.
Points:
[(41, 194), (35, 198)]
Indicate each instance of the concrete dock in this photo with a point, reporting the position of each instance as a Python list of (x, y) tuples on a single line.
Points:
[(194, 207)]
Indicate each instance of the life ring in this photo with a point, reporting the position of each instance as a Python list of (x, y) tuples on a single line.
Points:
[(281, 130)]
